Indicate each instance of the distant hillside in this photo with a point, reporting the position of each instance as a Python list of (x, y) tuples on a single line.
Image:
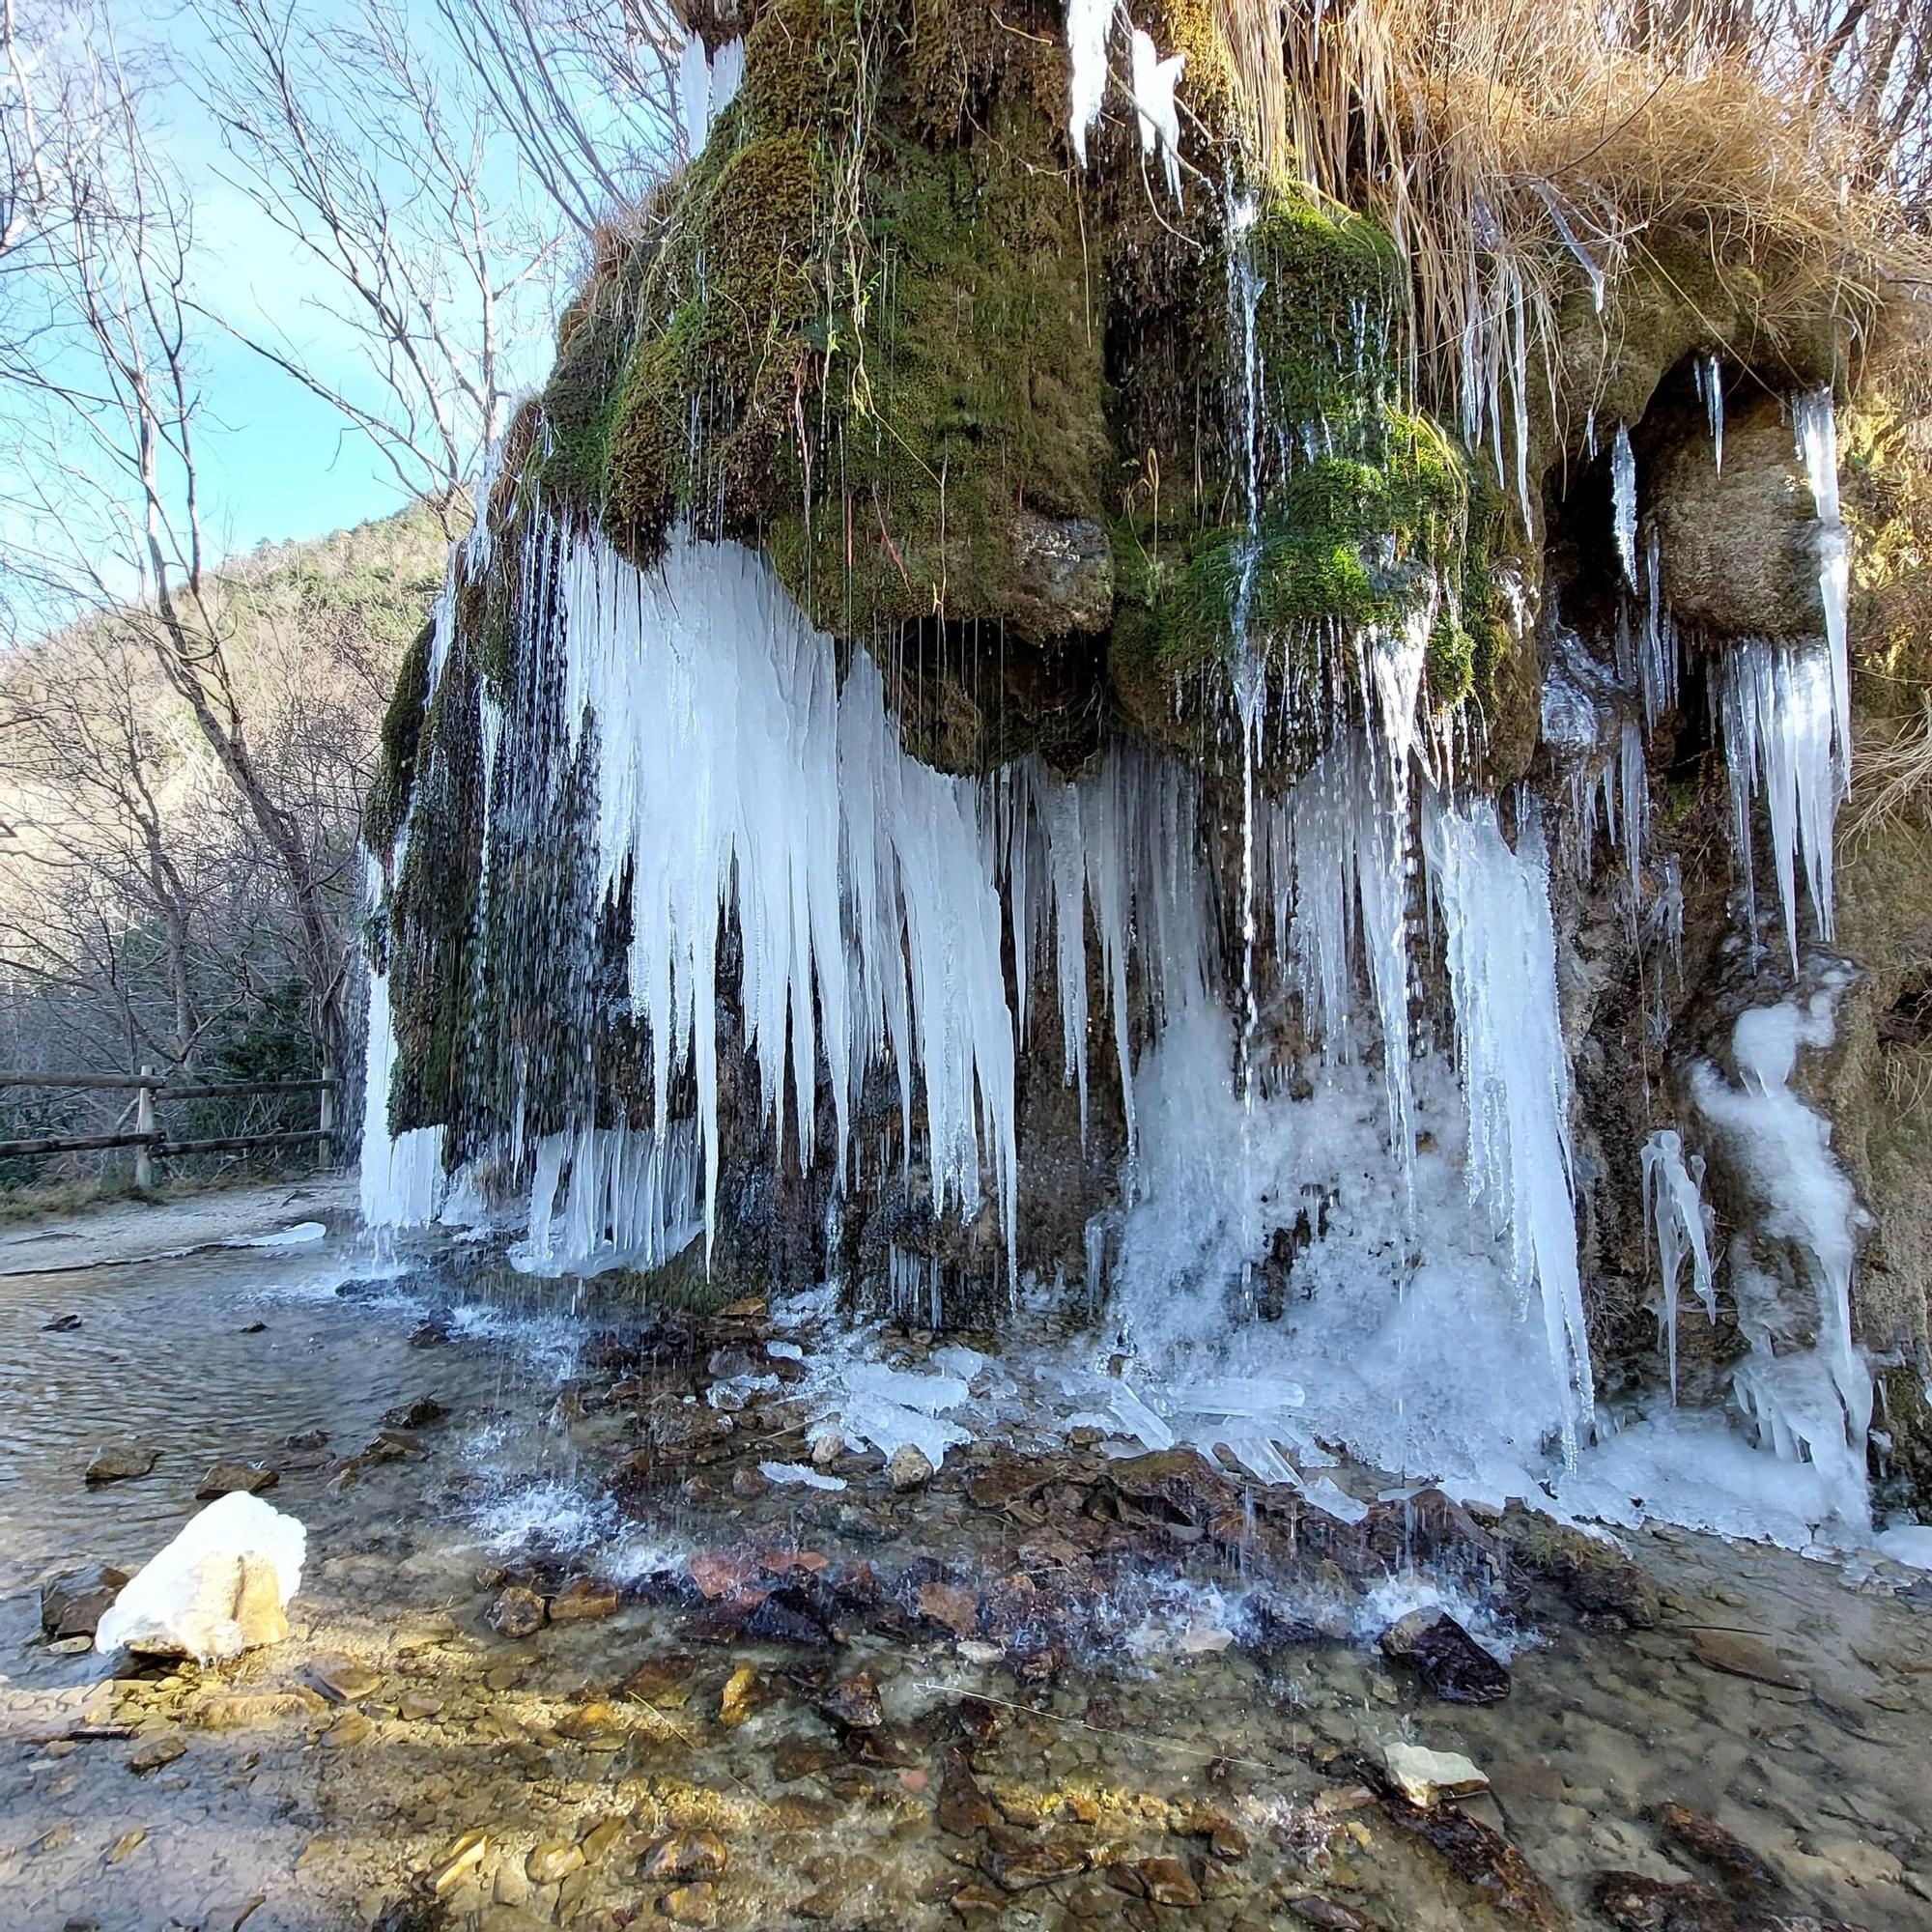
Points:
[(143, 921)]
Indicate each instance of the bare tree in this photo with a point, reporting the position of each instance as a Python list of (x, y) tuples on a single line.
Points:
[(587, 89), (108, 514), (388, 170)]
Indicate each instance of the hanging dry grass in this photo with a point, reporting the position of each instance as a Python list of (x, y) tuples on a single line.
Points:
[(1513, 147)]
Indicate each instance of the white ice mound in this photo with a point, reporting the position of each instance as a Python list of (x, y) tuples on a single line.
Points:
[(220, 1588)]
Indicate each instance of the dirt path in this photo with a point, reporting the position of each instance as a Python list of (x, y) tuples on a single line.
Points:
[(132, 1230)]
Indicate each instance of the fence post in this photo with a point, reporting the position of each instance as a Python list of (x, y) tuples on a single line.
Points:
[(324, 1146), (144, 1123)]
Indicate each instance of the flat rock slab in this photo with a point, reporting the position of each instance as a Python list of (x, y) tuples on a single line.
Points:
[(1740, 1655), (121, 1462)]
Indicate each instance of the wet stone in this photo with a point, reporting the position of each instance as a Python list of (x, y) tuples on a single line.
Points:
[(803, 1757), (1167, 1880), (1424, 1776), (1486, 1862), (121, 1462), (976, 1904), (909, 1469), (519, 1612), (1329, 1913), (742, 1694), (1741, 1656), (1633, 1903), (582, 1598), (152, 1756), (73, 1602), (855, 1703), (963, 1808), (1043, 1864), (688, 1856), (553, 1860), (1741, 1869), (1452, 1663), (416, 1414), (61, 1324), (307, 1438), (692, 1904), (230, 1478)]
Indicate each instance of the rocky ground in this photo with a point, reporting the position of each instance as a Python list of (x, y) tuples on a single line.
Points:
[(1056, 1689)]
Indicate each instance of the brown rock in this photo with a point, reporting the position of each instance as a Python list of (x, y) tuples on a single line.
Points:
[(665, 1683), (519, 1612), (342, 1680), (688, 1856), (964, 1807), (855, 1703), (1035, 1864), (692, 1904), (977, 1903), (582, 1597), (120, 1462), (1633, 1903), (1734, 1862), (1741, 1656), (226, 1478), (958, 1609), (1169, 1882), (1452, 1663), (1484, 1861)]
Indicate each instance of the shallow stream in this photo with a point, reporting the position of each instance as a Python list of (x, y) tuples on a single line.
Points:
[(971, 1702)]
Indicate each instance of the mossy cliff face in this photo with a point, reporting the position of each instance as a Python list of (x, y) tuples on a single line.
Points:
[(1058, 451), (959, 387)]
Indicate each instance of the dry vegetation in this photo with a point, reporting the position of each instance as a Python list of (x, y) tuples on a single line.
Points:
[(1503, 144)]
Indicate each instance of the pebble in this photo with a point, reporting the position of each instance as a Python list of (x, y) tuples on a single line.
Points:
[(553, 1860), (519, 1612), (910, 1467), (582, 1598), (688, 1856), (1741, 1656), (152, 1756), (1424, 1776)]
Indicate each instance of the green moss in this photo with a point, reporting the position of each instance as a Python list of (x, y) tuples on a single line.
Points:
[(1347, 545), (388, 800)]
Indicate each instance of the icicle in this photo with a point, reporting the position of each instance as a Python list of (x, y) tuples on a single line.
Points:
[(1623, 500), (402, 1182), (1559, 215), (1659, 658), (1776, 706), (1816, 1405), (1501, 953), (1153, 83), (1673, 1216), (693, 89), (733, 775), (1088, 24), (1711, 377), (1634, 781), (1817, 432)]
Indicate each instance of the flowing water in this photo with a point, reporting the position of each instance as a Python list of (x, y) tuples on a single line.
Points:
[(1139, 1700)]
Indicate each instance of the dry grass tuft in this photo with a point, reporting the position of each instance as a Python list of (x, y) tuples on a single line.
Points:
[(1516, 150)]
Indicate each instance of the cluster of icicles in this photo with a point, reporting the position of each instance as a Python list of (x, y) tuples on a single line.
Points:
[(740, 780)]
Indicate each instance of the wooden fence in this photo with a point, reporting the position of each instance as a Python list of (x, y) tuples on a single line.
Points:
[(151, 1089)]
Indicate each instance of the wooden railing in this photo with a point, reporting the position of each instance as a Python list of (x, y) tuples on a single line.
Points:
[(151, 1089)]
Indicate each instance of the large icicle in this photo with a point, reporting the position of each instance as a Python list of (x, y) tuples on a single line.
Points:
[(736, 778), (1817, 432), (1623, 501), (401, 1181), (1776, 703), (1502, 980), (1088, 24)]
